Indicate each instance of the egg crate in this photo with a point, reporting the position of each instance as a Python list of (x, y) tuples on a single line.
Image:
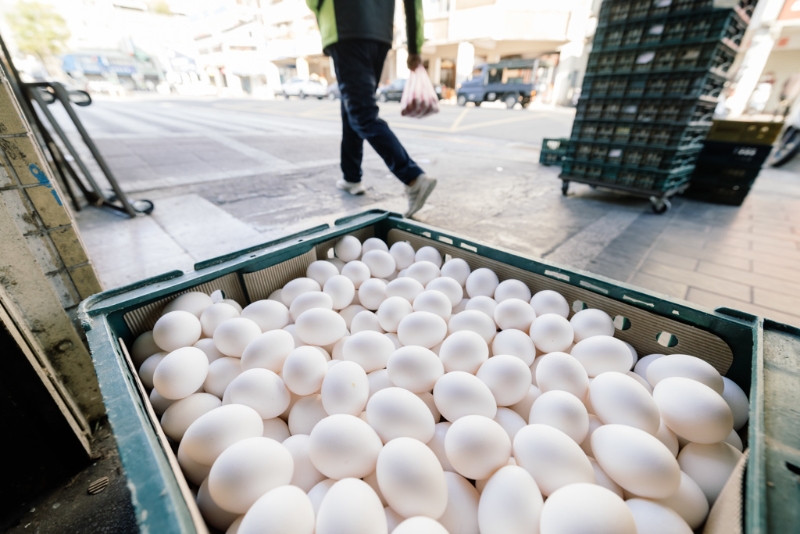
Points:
[(705, 173), (640, 157), (735, 343), (620, 11), (639, 134), (635, 180), (664, 111), (712, 55), (553, 150), (685, 85)]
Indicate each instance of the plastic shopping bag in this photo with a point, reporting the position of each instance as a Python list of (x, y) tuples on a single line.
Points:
[(419, 98)]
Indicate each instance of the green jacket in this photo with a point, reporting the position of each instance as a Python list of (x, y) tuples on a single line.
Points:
[(340, 20)]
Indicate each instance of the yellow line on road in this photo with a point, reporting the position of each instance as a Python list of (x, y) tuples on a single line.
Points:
[(458, 120)]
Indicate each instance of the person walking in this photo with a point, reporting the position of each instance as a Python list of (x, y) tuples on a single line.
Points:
[(357, 34)]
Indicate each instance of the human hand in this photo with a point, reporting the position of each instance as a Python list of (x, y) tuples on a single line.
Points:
[(414, 61)]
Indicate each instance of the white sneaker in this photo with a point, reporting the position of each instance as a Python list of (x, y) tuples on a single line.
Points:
[(354, 188), (418, 193)]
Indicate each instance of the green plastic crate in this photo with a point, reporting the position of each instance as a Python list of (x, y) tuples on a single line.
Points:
[(761, 356), (553, 150)]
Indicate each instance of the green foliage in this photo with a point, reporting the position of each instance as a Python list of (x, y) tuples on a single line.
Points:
[(38, 29)]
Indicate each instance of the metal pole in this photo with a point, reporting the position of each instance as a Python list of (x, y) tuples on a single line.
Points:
[(63, 96)]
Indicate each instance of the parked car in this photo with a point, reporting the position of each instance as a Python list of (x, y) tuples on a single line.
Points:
[(303, 88), (333, 91), (510, 82), (394, 91)]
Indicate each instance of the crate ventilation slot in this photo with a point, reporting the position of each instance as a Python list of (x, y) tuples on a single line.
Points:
[(557, 275), (665, 339), (622, 323)]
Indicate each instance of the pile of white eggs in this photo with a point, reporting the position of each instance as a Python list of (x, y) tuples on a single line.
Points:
[(388, 391)]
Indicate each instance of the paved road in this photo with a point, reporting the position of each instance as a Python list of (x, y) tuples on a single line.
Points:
[(227, 173)]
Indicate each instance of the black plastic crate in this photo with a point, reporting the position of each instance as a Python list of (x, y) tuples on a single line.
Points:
[(623, 176), (553, 150), (639, 133), (691, 27), (714, 56), (641, 157), (614, 11), (664, 110), (712, 174), (687, 85), (739, 154), (731, 195)]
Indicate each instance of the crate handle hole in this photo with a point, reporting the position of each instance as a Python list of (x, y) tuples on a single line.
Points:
[(578, 305), (444, 239), (665, 339), (622, 323), (469, 247), (793, 468)]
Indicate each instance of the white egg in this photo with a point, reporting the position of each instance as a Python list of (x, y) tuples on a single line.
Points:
[(458, 394), (514, 314), (356, 271), (379, 262), (215, 431), (395, 412), (523, 407), (182, 413), (423, 272), (276, 429), (247, 470), (403, 254), (421, 328), (261, 390), (210, 350), (310, 300), (282, 510), (592, 322), (510, 420), (320, 271), (373, 243), (604, 480), (276, 295), (305, 475), (268, 351), (180, 373), (449, 287), (176, 329), (371, 293), (551, 457), (475, 321), (636, 460), (514, 343), (214, 315), (434, 302), (213, 514), (318, 492), (586, 444), (406, 288), (348, 248), (303, 371), (148, 369), (365, 320), (737, 401), (586, 508), (341, 290), (552, 333), (232, 336), (457, 269), (320, 327), (351, 506), (343, 446), (395, 340), (710, 465), (693, 410), (507, 377), (461, 513), (159, 403), (414, 368), (349, 314), (477, 446), (411, 479), (428, 253), (668, 438), (345, 389), (641, 366), (689, 502), (268, 314), (482, 304), (221, 373), (560, 371), (510, 503), (461, 306), (618, 398), (481, 282), (654, 518), (297, 287), (420, 525), (305, 414), (436, 444), (392, 311), (369, 349), (378, 380), (644, 383), (512, 289), (687, 367), (563, 411), (193, 302), (548, 301), (143, 347), (427, 398), (194, 472), (601, 353), (634, 354)]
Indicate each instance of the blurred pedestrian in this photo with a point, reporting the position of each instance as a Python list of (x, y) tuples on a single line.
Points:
[(358, 34)]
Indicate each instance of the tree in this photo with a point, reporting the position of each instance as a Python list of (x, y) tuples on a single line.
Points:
[(39, 29)]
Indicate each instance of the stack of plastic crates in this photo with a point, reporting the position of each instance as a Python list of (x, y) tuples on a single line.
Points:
[(654, 76), (731, 159)]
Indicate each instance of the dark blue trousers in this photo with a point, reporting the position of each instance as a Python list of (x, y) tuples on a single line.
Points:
[(358, 65)]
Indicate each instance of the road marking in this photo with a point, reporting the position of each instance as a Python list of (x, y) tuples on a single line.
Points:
[(458, 120)]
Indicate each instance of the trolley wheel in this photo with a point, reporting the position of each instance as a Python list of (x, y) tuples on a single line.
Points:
[(143, 206), (660, 205), (564, 187)]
